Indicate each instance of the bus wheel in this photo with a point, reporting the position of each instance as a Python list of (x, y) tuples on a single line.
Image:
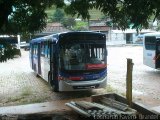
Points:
[(53, 88)]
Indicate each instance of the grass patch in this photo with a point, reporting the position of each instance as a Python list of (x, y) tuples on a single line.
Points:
[(34, 100), (25, 92), (14, 99)]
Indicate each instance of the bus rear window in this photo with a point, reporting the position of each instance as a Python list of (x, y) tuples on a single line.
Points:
[(150, 42)]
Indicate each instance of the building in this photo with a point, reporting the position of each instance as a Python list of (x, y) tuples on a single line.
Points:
[(52, 28), (100, 26), (129, 36)]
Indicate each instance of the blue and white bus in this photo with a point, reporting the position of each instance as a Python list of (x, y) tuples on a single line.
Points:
[(151, 50), (71, 61)]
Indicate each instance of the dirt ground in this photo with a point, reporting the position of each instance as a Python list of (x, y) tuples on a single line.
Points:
[(19, 84), (145, 80)]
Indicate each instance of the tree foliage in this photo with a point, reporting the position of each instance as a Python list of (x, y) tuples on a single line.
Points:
[(17, 16), (69, 23), (58, 15), (7, 51), (21, 17), (80, 26), (137, 12), (28, 16)]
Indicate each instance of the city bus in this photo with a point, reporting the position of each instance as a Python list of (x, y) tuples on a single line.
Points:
[(151, 50), (70, 61)]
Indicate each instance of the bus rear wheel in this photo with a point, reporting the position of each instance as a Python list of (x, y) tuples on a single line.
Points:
[(53, 87)]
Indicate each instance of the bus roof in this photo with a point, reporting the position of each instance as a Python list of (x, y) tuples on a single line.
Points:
[(153, 34), (39, 39), (54, 37)]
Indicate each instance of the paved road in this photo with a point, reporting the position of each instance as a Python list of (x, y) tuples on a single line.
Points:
[(19, 85)]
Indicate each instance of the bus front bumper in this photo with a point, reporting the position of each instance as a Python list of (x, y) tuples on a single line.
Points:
[(65, 85)]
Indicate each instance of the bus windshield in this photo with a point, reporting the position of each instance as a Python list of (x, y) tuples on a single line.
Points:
[(88, 56)]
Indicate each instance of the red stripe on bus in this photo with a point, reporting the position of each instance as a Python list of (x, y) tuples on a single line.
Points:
[(76, 78), (95, 66)]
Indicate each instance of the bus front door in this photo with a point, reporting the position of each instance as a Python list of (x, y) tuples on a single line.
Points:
[(157, 61), (53, 75)]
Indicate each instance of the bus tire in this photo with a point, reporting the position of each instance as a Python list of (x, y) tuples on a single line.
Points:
[(53, 88)]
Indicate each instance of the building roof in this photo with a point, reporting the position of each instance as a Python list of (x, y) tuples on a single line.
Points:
[(99, 28), (54, 28)]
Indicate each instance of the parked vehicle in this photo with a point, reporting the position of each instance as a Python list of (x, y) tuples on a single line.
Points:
[(71, 61), (151, 50), (25, 46)]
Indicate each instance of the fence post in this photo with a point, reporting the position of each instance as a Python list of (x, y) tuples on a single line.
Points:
[(129, 82)]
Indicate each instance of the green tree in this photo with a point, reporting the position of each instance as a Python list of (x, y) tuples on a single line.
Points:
[(28, 16), (22, 17), (7, 51), (138, 12), (19, 16), (69, 23), (58, 15), (80, 26)]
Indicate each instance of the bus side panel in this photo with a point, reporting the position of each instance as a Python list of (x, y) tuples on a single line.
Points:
[(149, 45), (149, 58), (45, 67), (35, 63)]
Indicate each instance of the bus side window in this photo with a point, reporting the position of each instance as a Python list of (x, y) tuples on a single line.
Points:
[(48, 49), (35, 49), (42, 49), (150, 42)]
